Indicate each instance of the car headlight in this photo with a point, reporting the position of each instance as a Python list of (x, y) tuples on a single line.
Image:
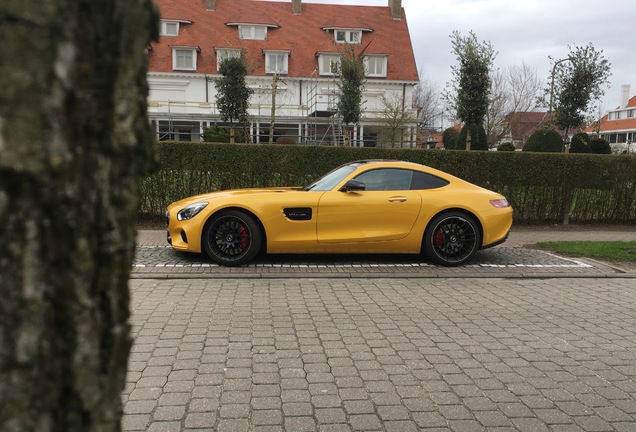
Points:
[(191, 211)]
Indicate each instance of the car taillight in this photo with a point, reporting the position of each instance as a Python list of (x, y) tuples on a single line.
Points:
[(500, 203)]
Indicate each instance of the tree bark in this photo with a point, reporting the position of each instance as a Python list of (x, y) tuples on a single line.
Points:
[(74, 140)]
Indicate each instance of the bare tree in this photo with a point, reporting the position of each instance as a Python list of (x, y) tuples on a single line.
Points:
[(426, 102), (396, 117), (74, 140), (514, 89), (525, 86)]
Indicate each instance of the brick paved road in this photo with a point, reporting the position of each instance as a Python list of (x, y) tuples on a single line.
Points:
[(162, 261), (383, 354)]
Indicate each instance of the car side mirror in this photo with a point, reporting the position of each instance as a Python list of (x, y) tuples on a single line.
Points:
[(353, 186)]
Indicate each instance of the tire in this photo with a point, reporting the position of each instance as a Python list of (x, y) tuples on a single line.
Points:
[(452, 238), (232, 238)]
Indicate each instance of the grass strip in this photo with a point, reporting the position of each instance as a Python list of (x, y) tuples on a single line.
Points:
[(613, 251)]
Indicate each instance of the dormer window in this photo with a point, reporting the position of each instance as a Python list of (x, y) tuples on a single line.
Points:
[(276, 62), (348, 36), (184, 58), (252, 32), (329, 64), (375, 66), (171, 27)]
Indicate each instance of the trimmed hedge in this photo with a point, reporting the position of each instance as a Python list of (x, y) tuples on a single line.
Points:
[(540, 186), (478, 138), (544, 140)]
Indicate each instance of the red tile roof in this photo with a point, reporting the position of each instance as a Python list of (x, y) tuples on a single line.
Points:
[(523, 124), (628, 124), (304, 34)]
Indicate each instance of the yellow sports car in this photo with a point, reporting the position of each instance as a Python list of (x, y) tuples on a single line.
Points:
[(360, 207)]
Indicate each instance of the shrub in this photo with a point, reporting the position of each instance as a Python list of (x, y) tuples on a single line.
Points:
[(600, 146), (478, 138), (580, 143), (544, 140), (507, 146), (449, 138)]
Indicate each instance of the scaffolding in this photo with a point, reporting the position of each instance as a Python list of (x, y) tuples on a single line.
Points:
[(323, 123)]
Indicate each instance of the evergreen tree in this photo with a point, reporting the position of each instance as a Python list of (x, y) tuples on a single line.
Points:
[(233, 94), (350, 88), (478, 137), (580, 143), (449, 138), (576, 84), (470, 89), (600, 146)]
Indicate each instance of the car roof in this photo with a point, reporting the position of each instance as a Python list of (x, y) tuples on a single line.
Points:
[(382, 161)]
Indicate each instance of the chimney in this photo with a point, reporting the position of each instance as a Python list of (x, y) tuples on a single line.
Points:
[(624, 95), (297, 7), (210, 5), (396, 9)]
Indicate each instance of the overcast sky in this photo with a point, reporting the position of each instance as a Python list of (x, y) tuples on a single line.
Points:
[(522, 31)]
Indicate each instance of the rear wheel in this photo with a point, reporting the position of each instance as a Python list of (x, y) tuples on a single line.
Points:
[(452, 238), (232, 238)]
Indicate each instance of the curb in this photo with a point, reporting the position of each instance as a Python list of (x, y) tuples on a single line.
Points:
[(534, 275)]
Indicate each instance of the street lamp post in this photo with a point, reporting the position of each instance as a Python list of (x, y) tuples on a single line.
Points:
[(558, 62), (552, 79)]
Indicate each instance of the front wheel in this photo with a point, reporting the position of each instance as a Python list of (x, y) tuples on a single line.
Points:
[(452, 238), (232, 238)]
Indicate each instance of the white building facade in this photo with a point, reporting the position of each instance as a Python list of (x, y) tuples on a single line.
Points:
[(294, 48)]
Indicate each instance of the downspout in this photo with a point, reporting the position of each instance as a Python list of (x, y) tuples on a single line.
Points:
[(403, 108), (207, 96), (403, 95)]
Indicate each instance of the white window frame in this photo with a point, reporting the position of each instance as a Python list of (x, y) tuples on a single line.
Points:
[(330, 60), (282, 60), (348, 36), (225, 53), (175, 58), (373, 62), (163, 28), (251, 32)]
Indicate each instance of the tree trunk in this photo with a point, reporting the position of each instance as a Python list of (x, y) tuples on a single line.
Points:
[(74, 140)]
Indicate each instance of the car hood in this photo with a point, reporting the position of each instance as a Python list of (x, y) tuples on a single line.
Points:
[(232, 193)]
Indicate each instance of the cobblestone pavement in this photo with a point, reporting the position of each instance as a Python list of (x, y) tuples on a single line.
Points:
[(158, 261), (382, 354)]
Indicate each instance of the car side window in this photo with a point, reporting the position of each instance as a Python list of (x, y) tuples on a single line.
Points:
[(422, 180), (386, 179)]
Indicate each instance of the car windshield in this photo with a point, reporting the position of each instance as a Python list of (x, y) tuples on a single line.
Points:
[(331, 179)]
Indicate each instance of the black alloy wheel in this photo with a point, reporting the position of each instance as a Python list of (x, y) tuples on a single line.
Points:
[(232, 238), (452, 238)]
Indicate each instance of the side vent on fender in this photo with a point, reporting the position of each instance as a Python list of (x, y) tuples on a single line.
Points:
[(298, 214)]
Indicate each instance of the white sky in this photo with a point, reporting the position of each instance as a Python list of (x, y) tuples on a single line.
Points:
[(522, 31)]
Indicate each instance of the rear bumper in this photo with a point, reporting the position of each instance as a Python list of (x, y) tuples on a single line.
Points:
[(498, 242)]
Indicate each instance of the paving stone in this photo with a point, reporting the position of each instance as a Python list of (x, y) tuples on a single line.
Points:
[(487, 354)]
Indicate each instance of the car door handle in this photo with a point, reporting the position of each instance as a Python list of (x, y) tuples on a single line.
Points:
[(397, 199)]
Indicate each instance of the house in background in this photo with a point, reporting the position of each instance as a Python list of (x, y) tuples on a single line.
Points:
[(299, 45), (522, 125), (618, 126)]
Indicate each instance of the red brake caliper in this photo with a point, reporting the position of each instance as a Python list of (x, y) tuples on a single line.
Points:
[(244, 236), (438, 238)]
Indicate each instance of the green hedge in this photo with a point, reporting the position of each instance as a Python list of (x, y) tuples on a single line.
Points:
[(541, 187)]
